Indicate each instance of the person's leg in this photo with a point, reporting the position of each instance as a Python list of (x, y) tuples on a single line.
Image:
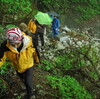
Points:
[(56, 32), (29, 81), (35, 38), (42, 38), (53, 32), (21, 75)]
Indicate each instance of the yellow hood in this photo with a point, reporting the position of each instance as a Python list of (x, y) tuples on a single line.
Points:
[(32, 26)]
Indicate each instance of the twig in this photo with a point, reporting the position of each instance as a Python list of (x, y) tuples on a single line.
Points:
[(6, 85)]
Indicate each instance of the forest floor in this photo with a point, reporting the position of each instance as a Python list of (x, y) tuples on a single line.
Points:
[(15, 85), (42, 89)]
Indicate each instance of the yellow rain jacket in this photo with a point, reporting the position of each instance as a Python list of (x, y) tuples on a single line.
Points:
[(23, 60), (32, 26)]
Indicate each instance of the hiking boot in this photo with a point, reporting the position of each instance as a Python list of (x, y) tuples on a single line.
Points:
[(31, 97), (42, 48), (23, 88)]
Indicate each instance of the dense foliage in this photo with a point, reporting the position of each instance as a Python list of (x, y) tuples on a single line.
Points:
[(86, 8), (67, 88), (11, 10)]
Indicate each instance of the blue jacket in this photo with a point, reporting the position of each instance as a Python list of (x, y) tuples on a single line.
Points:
[(55, 23)]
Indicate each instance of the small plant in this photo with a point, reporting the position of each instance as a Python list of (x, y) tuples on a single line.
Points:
[(4, 68), (3, 87), (1, 29), (19, 97), (46, 65), (93, 75), (39, 86)]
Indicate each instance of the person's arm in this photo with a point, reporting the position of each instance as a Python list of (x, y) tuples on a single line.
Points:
[(3, 49), (39, 26), (2, 60), (36, 57), (58, 23)]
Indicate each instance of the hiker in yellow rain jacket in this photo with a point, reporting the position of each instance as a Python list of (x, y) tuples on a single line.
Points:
[(32, 26), (37, 30), (20, 50)]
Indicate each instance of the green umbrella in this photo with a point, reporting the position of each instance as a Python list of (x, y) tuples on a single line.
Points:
[(43, 18)]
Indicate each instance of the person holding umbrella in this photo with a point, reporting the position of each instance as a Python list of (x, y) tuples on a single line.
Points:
[(37, 31), (55, 23), (40, 21)]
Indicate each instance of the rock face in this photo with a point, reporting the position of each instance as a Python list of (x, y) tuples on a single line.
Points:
[(66, 39)]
